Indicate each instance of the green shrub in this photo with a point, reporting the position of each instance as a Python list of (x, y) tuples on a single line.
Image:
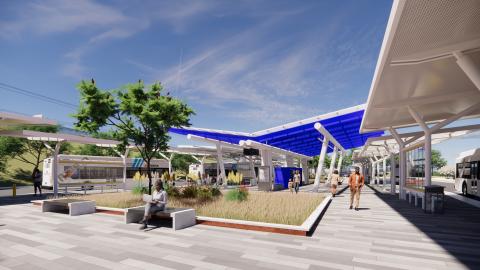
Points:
[(204, 194), (139, 190), (172, 191), (215, 191), (189, 192), (237, 194)]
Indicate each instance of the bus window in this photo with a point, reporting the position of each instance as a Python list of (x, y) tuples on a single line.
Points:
[(474, 170)]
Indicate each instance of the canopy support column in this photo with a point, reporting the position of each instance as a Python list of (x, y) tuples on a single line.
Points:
[(332, 163), (402, 163), (252, 170), (392, 174), (384, 171), (55, 152), (221, 165), (427, 146), (289, 161), (304, 166), (124, 162), (372, 172), (339, 165), (321, 160)]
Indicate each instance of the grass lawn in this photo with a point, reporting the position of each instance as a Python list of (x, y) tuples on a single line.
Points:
[(271, 207)]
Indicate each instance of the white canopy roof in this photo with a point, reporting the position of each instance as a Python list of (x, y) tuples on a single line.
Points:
[(429, 60), (57, 137), (382, 146), (12, 119)]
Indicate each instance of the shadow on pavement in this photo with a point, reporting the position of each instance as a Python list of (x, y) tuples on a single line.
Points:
[(457, 231), (21, 199)]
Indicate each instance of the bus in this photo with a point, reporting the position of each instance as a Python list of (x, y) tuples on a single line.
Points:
[(79, 169), (467, 173)]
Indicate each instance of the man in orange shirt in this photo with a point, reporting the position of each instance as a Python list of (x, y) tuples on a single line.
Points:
[(355, 182)]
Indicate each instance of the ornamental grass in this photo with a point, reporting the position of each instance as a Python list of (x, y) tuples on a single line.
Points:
[(270, 207)]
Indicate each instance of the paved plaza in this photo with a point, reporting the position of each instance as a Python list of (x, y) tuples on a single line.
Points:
[(385, 234)]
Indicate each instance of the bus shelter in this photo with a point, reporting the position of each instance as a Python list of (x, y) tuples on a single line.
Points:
[(427, 75), (377, 151), (59, 138), (298, 141)]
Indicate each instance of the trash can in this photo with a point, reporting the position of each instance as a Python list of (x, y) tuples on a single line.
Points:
[(434, 199)]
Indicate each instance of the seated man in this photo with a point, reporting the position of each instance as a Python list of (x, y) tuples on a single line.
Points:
[(157, 203)]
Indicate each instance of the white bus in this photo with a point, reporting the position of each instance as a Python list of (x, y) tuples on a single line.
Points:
[(75, 169), (467, 174)]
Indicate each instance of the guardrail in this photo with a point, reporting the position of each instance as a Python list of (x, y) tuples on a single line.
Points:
[(91, 186)]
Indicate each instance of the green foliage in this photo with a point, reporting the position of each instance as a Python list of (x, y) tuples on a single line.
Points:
[(181, 162), (28, 152), (189, 192), (215, 191), (237, 194), (347, 160), (437, 160), (93, 150), (135, 113), (139, 190)]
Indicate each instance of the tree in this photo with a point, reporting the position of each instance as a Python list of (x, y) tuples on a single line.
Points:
[(181, 162), (26, 151), (437, 160), (136, 115)]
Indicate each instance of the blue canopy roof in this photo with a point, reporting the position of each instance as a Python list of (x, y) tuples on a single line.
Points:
[(301, 138)]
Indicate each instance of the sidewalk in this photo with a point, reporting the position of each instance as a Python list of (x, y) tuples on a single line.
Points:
[(391, 234)]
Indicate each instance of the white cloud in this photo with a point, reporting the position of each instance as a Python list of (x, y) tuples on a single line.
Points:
[(53, 16)]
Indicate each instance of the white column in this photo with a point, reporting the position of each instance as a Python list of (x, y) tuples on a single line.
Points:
[(428, 159), (332, 163), (377, 180), (221, 165), (372, 172), (266, 160), (252, 170), (321, 160), (202, 164), (402, 173), (339, 165), (304, 166), (55, 169), (124, 161), (384, 171), (170, 169), (392, 174), (288, 161)]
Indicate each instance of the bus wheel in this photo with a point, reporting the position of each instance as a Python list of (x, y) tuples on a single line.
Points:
[(464, 189)]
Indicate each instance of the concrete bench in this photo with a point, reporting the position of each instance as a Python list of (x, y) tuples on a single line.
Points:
[(181, 217), (72, 207)]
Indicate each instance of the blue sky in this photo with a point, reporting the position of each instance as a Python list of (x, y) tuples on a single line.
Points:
[(242, 65)]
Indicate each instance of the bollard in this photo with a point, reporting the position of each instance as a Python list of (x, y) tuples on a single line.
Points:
[(14, 190)]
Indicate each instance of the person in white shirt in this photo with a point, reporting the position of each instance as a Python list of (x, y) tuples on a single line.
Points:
[(157, 203), (334, 182)]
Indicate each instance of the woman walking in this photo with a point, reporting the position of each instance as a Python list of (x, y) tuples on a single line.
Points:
[(334, 182)]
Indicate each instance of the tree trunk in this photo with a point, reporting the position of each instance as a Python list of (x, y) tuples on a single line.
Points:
[(149, 173)]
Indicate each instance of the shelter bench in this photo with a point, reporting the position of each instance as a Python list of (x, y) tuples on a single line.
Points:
[(415, 195), (181, 217), (71, 207)]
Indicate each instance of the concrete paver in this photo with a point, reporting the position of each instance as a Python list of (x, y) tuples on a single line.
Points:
[(385, 234)]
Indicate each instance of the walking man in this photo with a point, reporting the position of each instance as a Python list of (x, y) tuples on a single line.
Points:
[(37, 181), (355, 182)]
